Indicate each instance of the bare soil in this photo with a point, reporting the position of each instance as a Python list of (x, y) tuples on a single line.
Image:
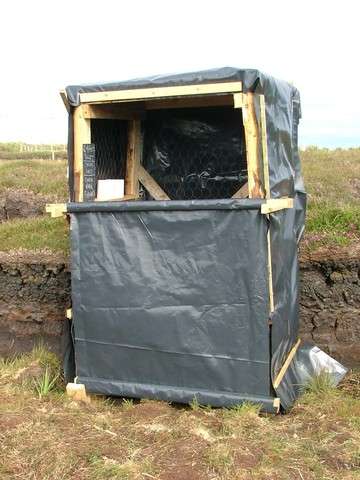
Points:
[(35, 293), (22, 203)]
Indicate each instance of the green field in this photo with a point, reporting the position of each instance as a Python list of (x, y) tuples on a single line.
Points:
[(332, 180), (46, 177)]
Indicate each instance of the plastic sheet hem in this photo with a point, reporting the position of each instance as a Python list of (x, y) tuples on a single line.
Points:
[(172, 393)]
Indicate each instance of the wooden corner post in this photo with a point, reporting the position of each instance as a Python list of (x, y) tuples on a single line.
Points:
[(133, 158), (82, 134), (267, 196), (252, 147)]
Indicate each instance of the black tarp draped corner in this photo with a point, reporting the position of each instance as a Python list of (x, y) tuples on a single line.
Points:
[(170, 299)]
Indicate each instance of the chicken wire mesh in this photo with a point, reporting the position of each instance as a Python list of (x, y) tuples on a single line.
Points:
[(196, 153), (191, 153), (110, 139)]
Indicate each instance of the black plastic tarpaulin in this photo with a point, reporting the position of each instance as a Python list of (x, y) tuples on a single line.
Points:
[(171, 298)]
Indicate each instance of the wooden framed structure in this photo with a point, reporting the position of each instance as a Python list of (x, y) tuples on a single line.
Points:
[(131, 106), (264, 187)]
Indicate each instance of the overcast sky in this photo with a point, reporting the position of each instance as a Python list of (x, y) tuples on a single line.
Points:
[(46, 45)]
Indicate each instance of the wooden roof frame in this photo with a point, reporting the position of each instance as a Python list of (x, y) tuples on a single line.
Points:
[(138, 94)]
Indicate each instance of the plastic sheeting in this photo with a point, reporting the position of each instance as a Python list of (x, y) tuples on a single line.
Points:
[(170, 300), (309, 362)]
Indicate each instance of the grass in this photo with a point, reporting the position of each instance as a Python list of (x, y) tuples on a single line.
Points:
[(104, 468), (52, 437), (40, 176), (37, 233), (47, 360), (46, 383), (320, 384), (332, 180)]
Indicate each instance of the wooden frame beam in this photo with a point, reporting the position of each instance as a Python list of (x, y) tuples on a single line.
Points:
[(266, 176), (137, 94), (82, 134), (265, 157), (133, 158), (243, 192), (113, 111), (275, 204), (220, 100), (252, 147), (238, 100), (56, 209), (286, 365), (151, 185)]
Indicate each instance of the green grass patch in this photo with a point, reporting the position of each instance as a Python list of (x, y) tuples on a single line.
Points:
[(40, 176), (321, 384), (46, 384), (332, 180), (40, 354), (322, 217), (36, 233), (332, 177)]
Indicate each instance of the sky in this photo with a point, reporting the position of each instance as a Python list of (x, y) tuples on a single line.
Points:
[(46, 45)]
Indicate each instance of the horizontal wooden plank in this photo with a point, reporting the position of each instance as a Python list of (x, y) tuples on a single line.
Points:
[(125, 198), (113, 111), (276, 204), (151, 185), (190, 102), (56, 209), (161, 92)]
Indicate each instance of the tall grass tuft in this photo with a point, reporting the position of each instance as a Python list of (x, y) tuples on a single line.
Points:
[(320, 384), (46, 383)]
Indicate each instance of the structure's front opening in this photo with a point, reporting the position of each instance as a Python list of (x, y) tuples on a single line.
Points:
[(191, 153)]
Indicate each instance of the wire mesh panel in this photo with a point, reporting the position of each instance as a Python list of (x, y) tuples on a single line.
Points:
[(196, 153), (110, 139)]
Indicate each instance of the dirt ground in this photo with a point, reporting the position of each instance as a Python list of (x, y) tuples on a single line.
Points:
[(51, 437)]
